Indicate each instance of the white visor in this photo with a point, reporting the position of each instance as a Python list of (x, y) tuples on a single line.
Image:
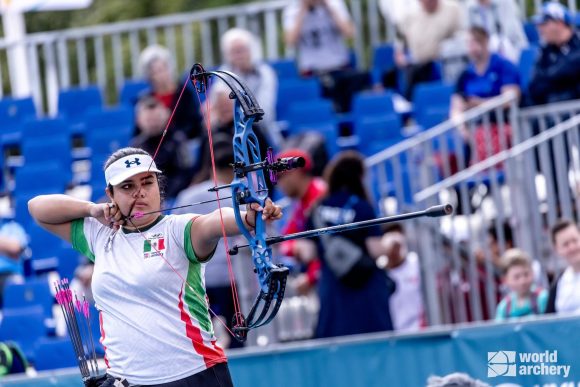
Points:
[(129, 166)]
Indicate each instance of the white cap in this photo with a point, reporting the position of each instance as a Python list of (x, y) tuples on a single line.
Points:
[(128, 166)]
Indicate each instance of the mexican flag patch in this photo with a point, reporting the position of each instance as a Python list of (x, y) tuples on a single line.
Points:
[(154, 246)]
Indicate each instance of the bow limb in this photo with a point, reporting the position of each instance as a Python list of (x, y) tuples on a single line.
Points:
[(249, 186)]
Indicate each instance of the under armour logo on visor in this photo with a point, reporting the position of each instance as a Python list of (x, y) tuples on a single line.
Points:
[(129, 163)]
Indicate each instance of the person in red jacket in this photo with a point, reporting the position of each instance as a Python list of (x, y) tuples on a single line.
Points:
[(305, 189)]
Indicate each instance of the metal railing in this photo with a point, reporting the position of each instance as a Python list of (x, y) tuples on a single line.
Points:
[(541, 175), (108, 54)]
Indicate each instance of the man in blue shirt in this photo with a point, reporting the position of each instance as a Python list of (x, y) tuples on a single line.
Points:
[(487, 76)]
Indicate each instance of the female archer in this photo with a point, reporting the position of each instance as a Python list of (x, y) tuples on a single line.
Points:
[(155, 330)]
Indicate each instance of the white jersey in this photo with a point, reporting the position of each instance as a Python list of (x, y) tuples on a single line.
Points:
[(154, 328)]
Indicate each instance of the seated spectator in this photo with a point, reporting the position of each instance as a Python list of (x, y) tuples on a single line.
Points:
[(565, 291), (424, 30), (354, 293), (403, 266), (487, 76), (305, 190), (82, 281), (395, 11), (556, 77), (318, 29), (173, 156), (243, 56), (502, 21), (158, 67), (13, 241), (524, 297), (221, 115)]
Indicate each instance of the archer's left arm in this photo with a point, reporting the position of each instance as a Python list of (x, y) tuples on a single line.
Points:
[(206, 231)]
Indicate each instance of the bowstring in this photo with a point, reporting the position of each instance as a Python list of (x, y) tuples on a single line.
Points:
[(207, 116), (199, 297)]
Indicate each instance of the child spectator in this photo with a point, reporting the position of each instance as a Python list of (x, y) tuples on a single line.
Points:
[(524, 297)]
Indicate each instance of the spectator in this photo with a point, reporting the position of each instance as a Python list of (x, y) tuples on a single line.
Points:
[(173, 157), (406, 303), (217, 280), (564, 295), (502, 21), (354, 293), (395, 10), (318, 29), (83, 277), (424, 30), (221, 108), (556, 76), (487, 76), (456, 379), (243, 56), (13, 241), (158, 68), (300, 186), (524, 297)]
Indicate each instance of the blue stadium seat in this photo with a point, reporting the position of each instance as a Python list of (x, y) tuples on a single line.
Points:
[(377, 133), (531, 31), (293, 90), (109, 119), (14, 110), (310, 112), (46, 248), (130, 91), (11, 136), (109, 130), (68, 261), (43, 128), (53, 353), (40, 150), (285, 68), (74, 102), (34, 292), (383, 61), (431, 101), (37, 178), (372, 104), (25, 326), (526, 64), (328, 129)]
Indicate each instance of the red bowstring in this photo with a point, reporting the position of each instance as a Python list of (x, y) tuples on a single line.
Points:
[(183, 279), (168, 123), (230, 270), (207, 117)]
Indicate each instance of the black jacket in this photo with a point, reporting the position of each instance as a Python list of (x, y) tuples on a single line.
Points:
[(556, 74)]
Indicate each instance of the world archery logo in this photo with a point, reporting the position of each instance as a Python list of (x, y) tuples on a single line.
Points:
[(129, 163), (154, 246), (501, 363)]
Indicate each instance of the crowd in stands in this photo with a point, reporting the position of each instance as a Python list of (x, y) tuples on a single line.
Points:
[(378, 284)]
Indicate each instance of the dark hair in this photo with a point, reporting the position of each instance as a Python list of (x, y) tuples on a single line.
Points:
[(560, 225), (128, 151), (223, 151), (507, 232), (479, 33), (393, 227), (345, 173)]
